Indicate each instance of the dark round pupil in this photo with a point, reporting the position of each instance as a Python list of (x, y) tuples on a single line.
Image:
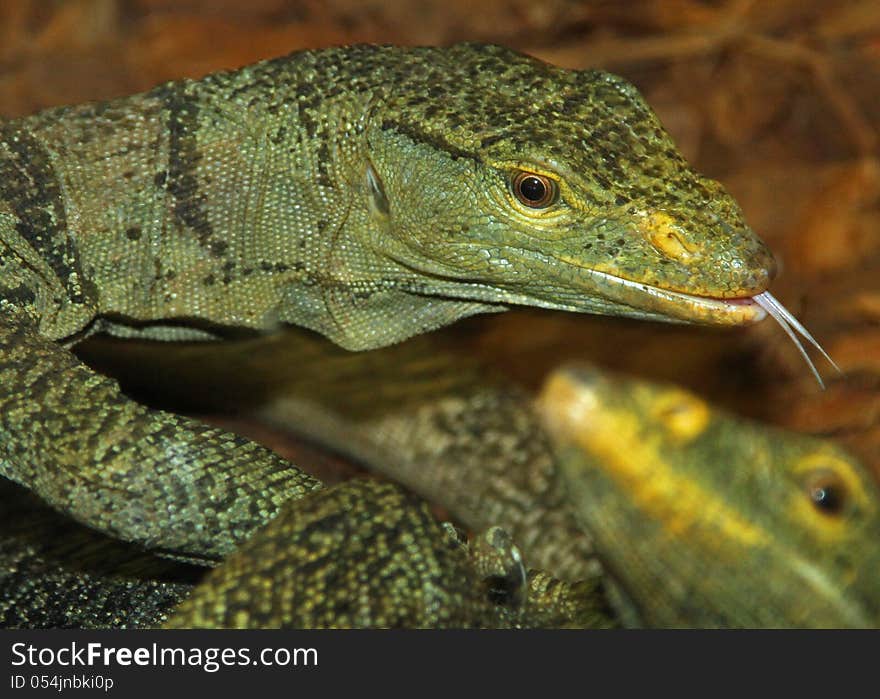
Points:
[(532, 188), (827, 497)]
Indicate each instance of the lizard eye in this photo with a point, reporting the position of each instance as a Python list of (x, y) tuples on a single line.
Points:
[(827, 492), (533, 190)]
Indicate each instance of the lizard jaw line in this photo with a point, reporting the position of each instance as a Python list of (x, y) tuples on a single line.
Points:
[(679, 305), (734, 311), (634, 299)]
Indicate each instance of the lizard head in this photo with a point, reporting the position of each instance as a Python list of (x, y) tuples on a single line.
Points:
[(710, 520), (505, 180)]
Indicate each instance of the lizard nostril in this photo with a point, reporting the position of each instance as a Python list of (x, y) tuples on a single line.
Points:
[(661, 231), (670, 245)]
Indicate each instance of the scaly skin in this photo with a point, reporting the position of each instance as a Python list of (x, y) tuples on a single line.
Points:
[(363, 554), (57, 574), (360, 554), (362, 192), (474, 443), (422, 412), (693, 492), (452, 430), (739, 525)]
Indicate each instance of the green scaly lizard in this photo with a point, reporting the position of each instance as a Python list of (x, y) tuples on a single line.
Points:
[(367, 193)]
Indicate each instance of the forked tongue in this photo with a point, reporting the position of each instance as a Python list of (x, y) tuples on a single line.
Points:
[(791, 325)]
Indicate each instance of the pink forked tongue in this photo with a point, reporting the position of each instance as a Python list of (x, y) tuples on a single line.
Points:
[(791, 325)]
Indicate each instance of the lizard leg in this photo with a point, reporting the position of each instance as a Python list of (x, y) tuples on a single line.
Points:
[(358, 554), (161, 480), (369, 554), (535, 598), (402, 568)]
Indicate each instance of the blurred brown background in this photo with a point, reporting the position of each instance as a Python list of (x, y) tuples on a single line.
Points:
[(780, 101)]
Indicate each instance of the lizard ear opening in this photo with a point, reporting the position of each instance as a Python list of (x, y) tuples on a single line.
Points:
[(378, 199)]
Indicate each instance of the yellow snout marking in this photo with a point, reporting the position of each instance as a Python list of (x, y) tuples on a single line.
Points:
[(632, 457), (684, 416), (663, 232)]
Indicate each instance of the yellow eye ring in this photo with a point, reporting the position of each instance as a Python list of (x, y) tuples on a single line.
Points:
[(533, 190)]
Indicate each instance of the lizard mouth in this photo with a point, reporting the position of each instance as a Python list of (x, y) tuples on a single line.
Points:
[(678, 305), (585, 290), (626, 297)]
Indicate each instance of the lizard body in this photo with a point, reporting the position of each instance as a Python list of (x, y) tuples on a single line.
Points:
[(463, 435), (702, 518), (359, 554), (363, 554), (367, 193), (473, 442)]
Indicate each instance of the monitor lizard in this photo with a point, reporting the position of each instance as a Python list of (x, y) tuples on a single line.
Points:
[(712, 520), (739, 524), (366, 193)]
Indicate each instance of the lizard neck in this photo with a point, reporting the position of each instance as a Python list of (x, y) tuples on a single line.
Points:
[(219, 200)]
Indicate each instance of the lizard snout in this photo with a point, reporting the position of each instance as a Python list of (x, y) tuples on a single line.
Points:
[(719, 259)]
